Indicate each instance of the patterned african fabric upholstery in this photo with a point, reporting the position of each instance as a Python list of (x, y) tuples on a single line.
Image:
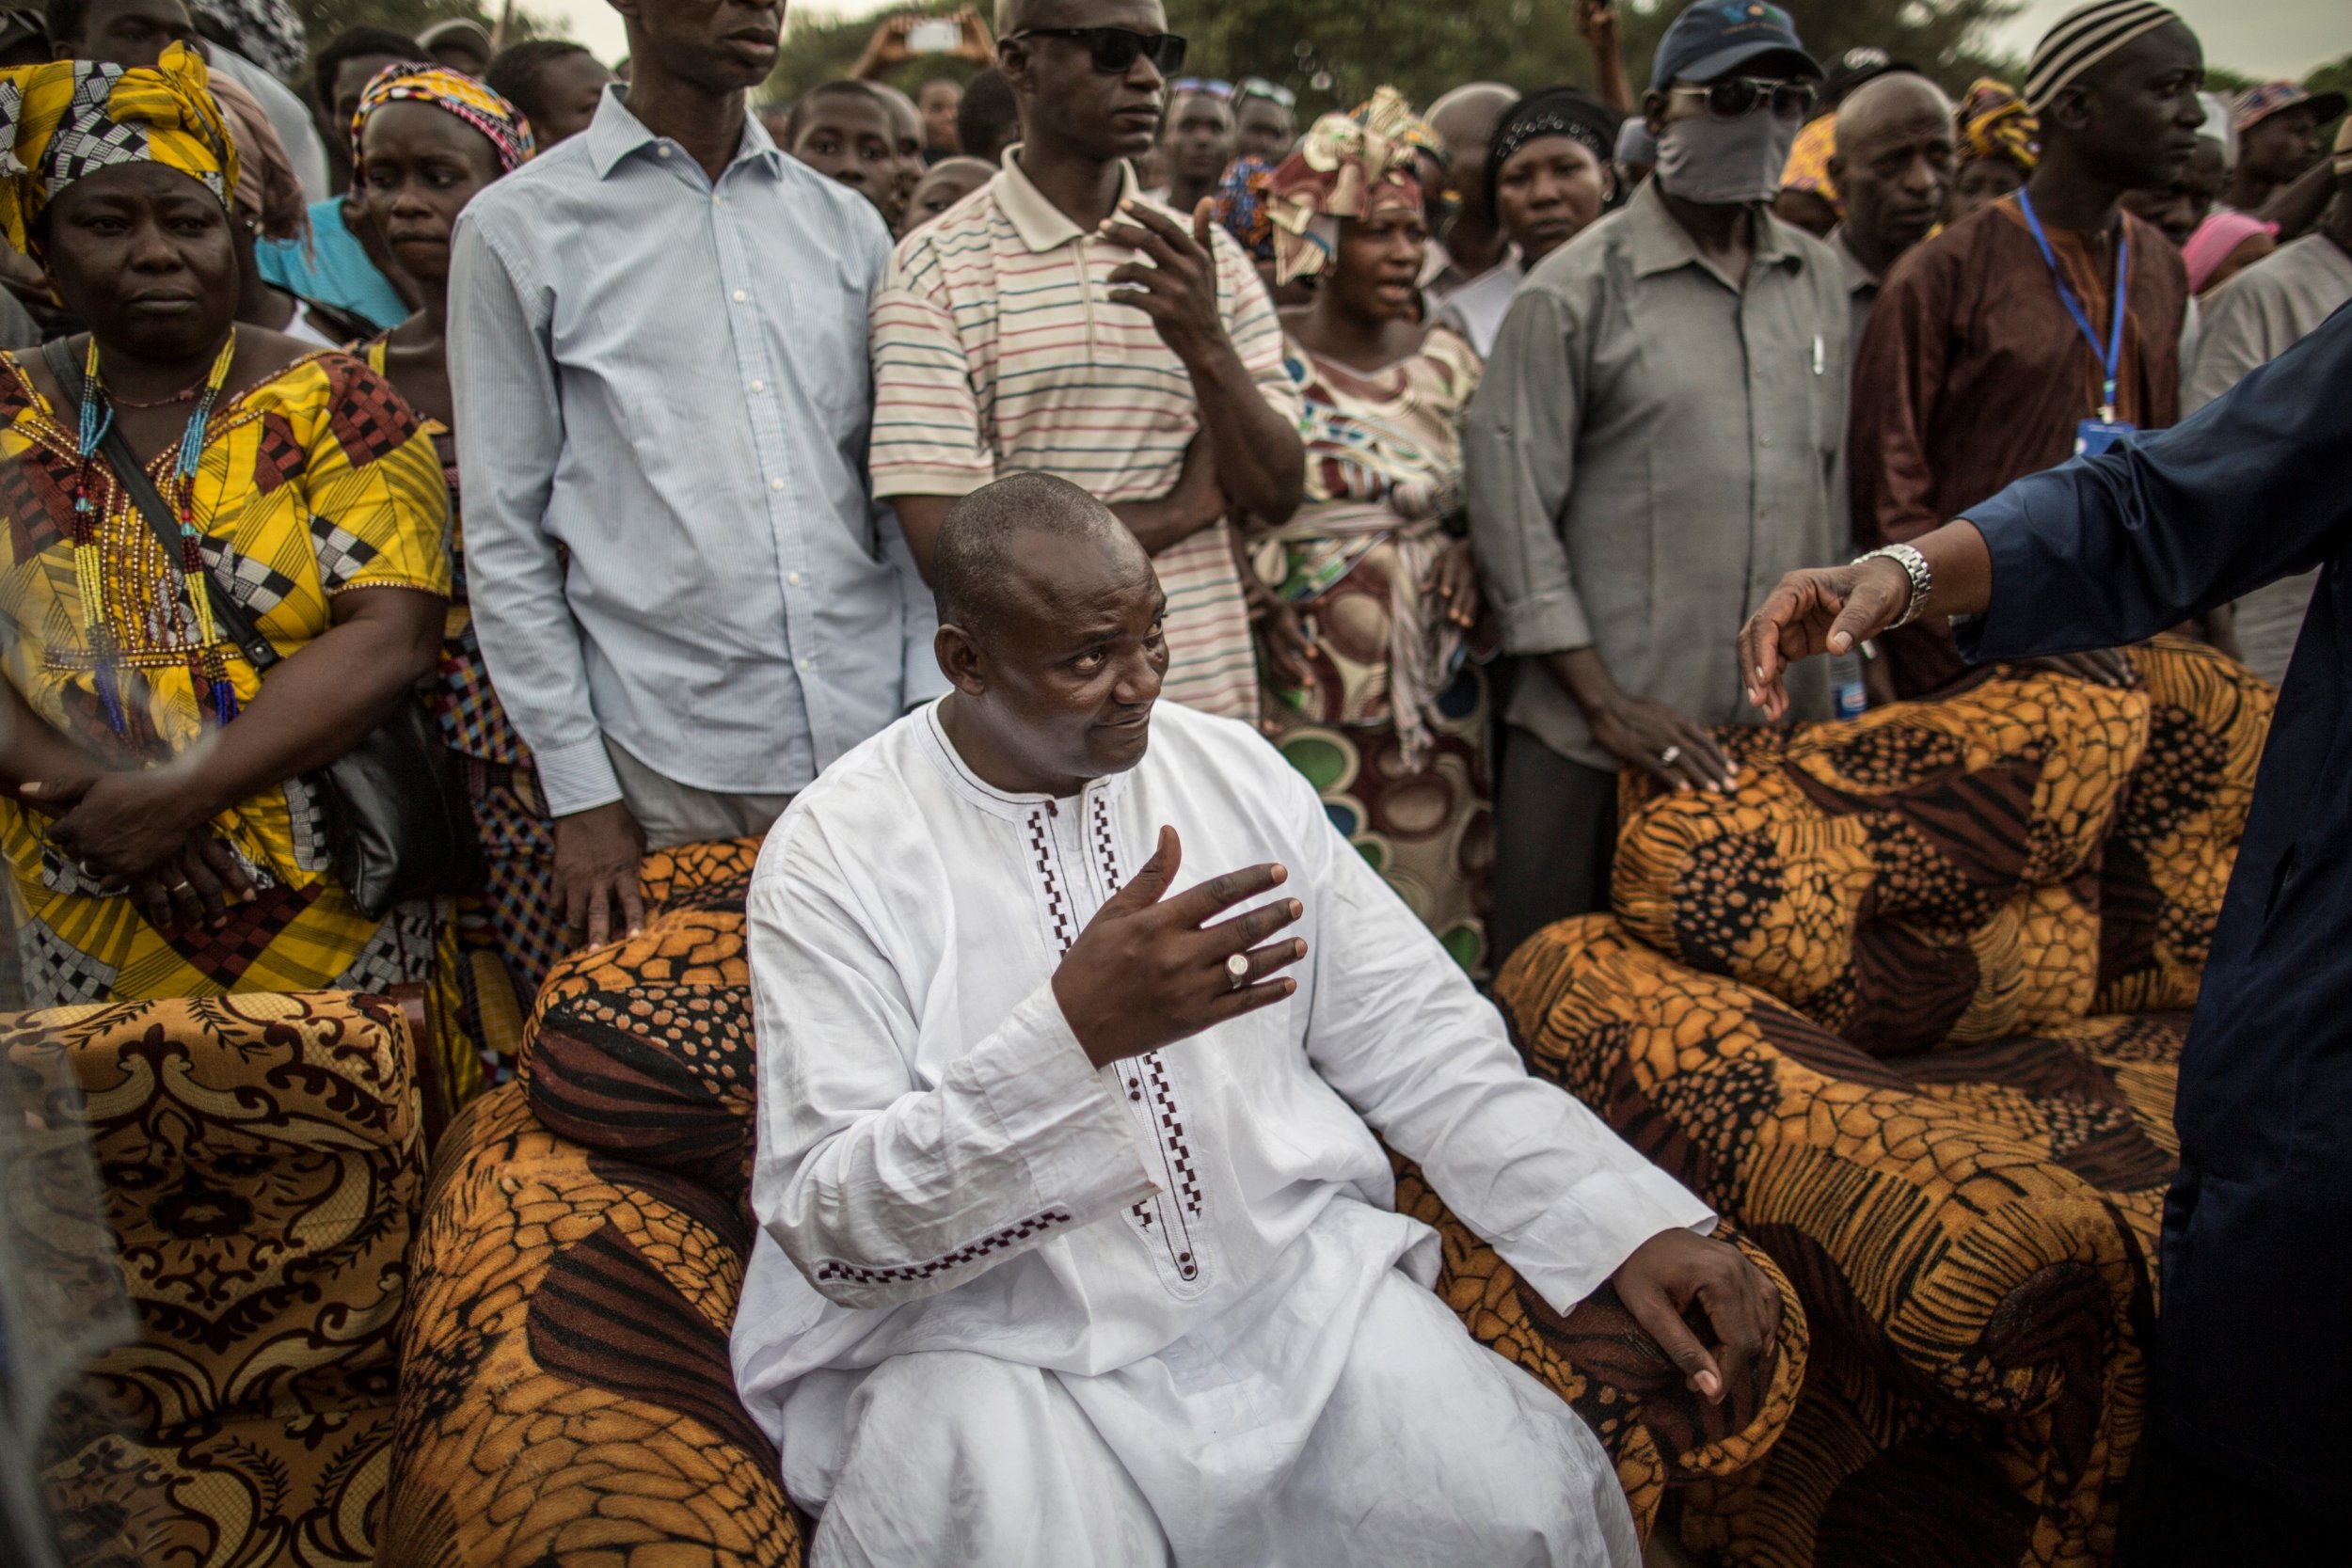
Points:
[(263, 1160), (1907, 1008), (581, 1250)]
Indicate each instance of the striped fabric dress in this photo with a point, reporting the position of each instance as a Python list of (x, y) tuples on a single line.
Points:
[(998, 346)]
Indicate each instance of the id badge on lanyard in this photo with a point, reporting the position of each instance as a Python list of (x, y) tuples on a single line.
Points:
[(2093, 436)]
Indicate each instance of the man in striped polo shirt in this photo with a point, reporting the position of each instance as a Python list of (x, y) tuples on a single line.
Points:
[(1056, 319)]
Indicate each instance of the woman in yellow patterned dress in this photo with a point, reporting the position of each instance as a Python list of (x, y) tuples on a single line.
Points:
[(163, 838), (1378, 701)]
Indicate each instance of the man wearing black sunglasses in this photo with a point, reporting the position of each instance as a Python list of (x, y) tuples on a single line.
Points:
[(1656, 435), (1059, 320), (1265, 119)]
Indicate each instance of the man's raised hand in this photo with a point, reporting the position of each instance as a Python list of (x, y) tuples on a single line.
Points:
[(1150, 970), (1827, 610), (1174, 280)]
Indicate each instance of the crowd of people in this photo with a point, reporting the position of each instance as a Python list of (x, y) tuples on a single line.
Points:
[(1453, 435), (1455, 440)]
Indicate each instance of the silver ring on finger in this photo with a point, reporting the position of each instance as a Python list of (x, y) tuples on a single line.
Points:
[(183, 885), (1668, 757), (1236, 971)]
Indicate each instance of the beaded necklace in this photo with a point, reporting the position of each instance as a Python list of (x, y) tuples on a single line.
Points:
[(206, 667)]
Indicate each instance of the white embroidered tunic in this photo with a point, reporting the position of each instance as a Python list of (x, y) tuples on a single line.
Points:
[(940, 1169)]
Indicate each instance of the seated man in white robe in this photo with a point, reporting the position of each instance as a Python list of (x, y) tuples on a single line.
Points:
[(1077, 1243)]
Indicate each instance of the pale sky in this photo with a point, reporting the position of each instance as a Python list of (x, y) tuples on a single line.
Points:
[(2263, 38)]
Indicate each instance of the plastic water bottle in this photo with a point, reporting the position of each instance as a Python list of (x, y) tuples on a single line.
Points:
[(1847, 693)]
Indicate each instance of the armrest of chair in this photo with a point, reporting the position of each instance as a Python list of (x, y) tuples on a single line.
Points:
[(1658, 1433), (1962, 1262), (262, 1165), (565, 1393)]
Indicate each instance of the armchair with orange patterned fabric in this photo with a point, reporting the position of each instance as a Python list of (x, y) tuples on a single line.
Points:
[(1906, 1005), (567, 1395), (262, 1158)]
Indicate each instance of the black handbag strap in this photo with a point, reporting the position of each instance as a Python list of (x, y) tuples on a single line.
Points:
[(129, 472)]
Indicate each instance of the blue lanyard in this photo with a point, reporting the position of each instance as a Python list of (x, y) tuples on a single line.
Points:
[(2114, 351)]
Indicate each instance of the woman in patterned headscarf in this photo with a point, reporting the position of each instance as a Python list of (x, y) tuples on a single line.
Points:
[(1374, 698), (424, 141), (1550, 172), (2000, 141), (159, 825)]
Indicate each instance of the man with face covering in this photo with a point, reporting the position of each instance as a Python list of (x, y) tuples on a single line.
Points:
[(1075, 1017), (1653, 443), (2004, 345)]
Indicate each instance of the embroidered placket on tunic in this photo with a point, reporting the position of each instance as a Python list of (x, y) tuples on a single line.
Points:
[(1085, 838)]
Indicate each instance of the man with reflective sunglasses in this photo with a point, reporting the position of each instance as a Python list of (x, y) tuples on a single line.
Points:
[(1265, 119), (1061, 321), (1655, 441)]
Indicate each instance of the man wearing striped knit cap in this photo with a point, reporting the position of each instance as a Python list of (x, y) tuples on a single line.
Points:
[(2045, 323)]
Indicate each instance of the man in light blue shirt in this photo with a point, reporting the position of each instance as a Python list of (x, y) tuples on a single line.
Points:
[(688, 598)]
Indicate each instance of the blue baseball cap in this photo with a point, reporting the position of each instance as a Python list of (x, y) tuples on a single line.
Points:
[(1716, 37)]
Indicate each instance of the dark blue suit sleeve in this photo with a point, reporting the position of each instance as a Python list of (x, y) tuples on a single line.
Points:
[(2108, 550)]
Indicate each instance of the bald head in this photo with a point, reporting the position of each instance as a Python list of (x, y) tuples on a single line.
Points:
[(985, 568), (1466, 119), (1049, 629), (1894, 105), (1472, 109), (1893, 164)]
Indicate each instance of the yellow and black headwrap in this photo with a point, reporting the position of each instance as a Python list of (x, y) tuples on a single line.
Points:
[(68, 119)]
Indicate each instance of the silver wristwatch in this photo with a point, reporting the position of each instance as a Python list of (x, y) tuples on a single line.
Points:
[(1915, 568)]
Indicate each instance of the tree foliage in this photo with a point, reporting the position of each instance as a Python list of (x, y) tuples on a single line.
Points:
[(1333, 52), (323, 18)]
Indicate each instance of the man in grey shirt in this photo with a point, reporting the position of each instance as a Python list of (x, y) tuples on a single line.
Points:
[(2249, 321), (1654, 443), (688, 598)]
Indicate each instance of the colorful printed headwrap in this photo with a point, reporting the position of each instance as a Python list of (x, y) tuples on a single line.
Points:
[(1386, 113), (1994, 123), (480, 106), (69, 119), (1239, 202), (1808, 168), (1343, 170)]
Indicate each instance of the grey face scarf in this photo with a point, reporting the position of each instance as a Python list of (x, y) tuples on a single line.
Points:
[(1723, 163)]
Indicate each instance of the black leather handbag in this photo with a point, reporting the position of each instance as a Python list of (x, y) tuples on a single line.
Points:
[(403, 828)]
